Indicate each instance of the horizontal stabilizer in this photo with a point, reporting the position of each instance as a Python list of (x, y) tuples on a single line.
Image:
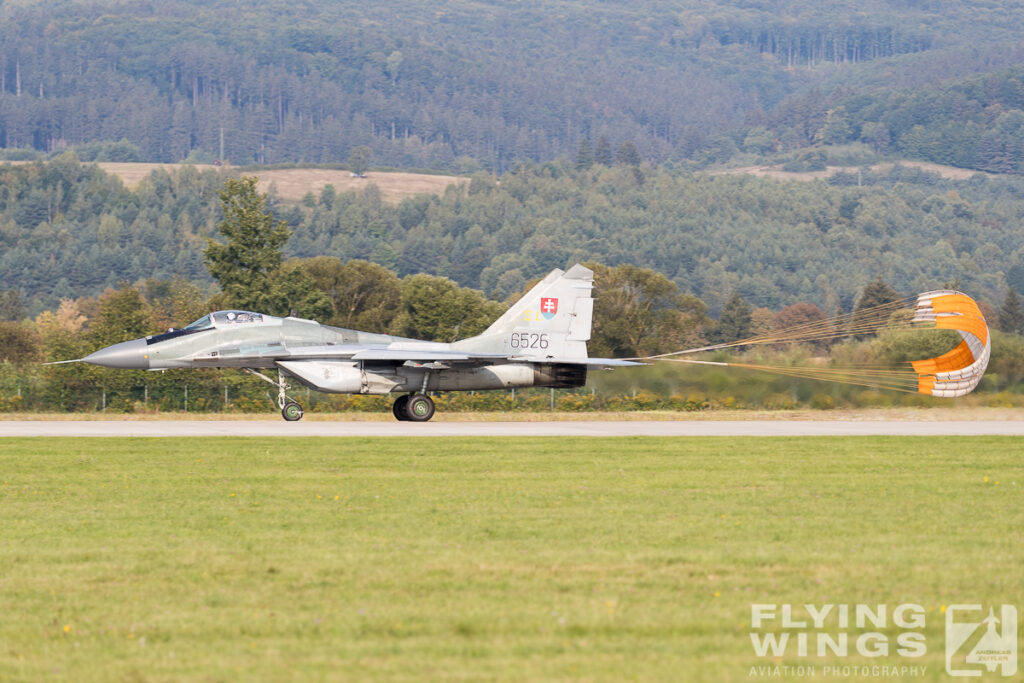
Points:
[(597, 363)]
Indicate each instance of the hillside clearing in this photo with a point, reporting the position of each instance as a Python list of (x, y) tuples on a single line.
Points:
[(776, 172), (293, 183)]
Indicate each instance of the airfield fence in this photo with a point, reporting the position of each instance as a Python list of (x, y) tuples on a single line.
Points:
[(38, 389)]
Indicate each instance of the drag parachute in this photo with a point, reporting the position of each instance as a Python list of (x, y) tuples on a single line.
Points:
[(959, 371), (954, 373)]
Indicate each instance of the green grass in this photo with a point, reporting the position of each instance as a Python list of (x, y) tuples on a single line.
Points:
[(471, 559)]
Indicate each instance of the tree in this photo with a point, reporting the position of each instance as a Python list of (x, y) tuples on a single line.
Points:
[(875, 134), (244, 266), (62, 339), (1011, 314), (877, 293), (359, 160), (762, 321), (808, 160), (798, 315), (734, 322), (437, 309), (836, 129), (12, 307), (293, 293), (603, 151), (248, 267), (19, 344), (758, 140), (638, 311), (365, 296), (393, 64), (584, 156), (175, 302), (871, 308), (123, 315), (627, 154)]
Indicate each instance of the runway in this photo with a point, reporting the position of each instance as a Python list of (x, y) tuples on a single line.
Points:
[(682, 428)]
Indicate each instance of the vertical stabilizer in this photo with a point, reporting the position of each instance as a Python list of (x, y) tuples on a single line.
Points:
[(552, 322)]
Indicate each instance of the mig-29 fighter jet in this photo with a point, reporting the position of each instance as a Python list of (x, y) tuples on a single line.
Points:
[(540, 342)]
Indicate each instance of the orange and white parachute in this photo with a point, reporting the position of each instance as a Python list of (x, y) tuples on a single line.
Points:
[(951, 374), (959, 371)]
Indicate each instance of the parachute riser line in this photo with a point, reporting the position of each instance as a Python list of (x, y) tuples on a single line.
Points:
[(954, 373)]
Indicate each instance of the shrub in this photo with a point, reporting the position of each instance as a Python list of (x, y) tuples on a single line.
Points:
[(822, 402)]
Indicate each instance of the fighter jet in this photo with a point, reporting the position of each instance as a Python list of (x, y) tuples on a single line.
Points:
[(541, 341)]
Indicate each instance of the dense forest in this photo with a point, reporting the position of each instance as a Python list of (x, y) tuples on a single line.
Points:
[(69, 230), (463, 85), (973, 123)]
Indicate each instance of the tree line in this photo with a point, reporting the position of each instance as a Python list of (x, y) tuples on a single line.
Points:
[(68, 230), (638, 312)]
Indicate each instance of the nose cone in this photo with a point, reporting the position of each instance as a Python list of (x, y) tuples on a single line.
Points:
[(128, 355)]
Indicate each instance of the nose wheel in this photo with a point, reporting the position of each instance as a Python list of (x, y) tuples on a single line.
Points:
[(413, 408), (292, 411)]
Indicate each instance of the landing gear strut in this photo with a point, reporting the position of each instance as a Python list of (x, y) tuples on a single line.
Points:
[(413, 408), (291, 410)]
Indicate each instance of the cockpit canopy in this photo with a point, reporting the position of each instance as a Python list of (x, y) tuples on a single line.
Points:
[(203, 323), (218, 319), (222, 318), (235, 318)]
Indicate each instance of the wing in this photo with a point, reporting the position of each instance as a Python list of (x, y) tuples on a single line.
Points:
[(340, 352)]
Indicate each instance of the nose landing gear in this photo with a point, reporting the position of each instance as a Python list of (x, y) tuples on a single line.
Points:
[(291, 410)]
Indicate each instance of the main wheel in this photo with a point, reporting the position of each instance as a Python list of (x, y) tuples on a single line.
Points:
[(292, 411), (401, 407), (420, 408)]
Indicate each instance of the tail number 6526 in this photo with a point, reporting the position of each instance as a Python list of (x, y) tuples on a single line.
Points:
[(528, 340)]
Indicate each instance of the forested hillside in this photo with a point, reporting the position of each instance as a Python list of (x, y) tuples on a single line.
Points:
[(974, 123), (465, 84), (68, 230)]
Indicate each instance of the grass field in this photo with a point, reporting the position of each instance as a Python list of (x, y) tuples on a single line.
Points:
[(776, 172), (294, 183), (452, 559)]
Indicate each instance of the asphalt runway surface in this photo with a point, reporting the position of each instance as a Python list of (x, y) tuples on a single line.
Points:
[(265, 428)]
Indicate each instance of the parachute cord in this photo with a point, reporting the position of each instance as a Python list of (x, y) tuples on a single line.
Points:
[(895, 380), (864, 321), (924, 311)]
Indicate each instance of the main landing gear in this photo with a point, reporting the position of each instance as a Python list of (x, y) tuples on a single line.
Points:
[(413, 408), (291, 410)]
